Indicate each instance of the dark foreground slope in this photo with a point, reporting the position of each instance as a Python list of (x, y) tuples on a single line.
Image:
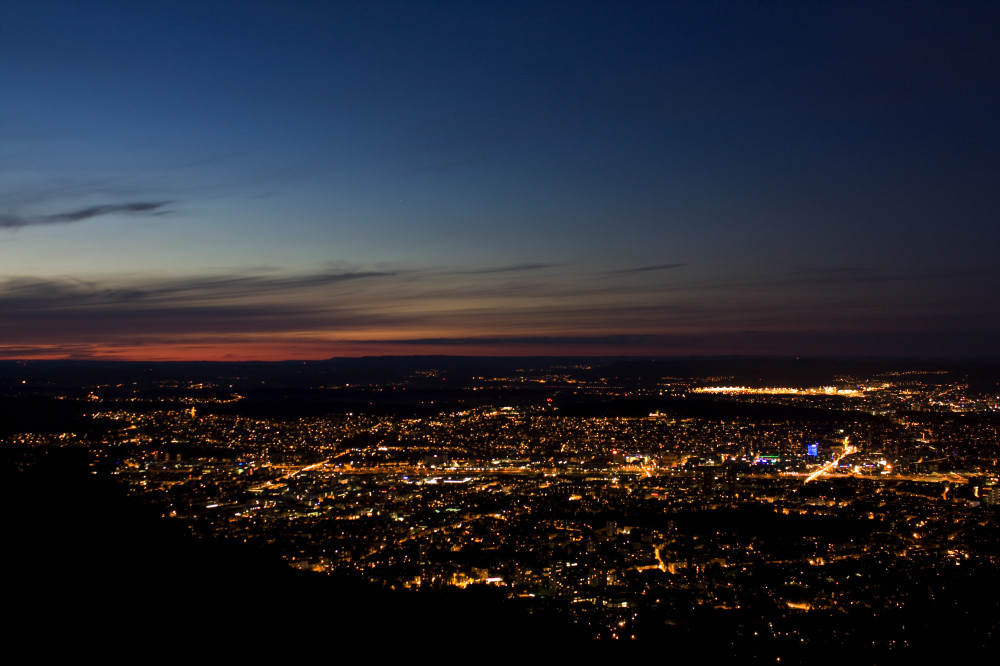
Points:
[(87, 564)]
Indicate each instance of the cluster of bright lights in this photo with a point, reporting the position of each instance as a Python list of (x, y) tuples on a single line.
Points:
[(781, 390)]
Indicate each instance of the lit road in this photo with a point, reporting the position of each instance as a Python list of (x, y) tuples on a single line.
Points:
[(922, 478), (848, 450), (274, 483), (656, 553)]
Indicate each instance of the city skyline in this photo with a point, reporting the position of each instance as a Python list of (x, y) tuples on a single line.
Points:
[(264, 181), (747, 509)]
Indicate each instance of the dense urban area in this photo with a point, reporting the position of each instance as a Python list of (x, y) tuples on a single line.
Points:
[(779, 507)]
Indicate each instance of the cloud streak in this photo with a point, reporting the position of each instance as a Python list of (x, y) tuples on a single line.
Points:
[(512, 268), (646, 269), (505, 309), (543, 340), (12, 221)]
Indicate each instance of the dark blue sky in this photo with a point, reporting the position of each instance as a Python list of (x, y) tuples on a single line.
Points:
[(309, 179)]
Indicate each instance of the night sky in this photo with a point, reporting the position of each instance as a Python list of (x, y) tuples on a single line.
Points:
[(300, 180)]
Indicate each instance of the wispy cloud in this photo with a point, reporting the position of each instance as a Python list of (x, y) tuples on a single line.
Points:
[(544, 340), (13, 221), (512, 268), (541, 307), (143, 296), (646, 269)]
